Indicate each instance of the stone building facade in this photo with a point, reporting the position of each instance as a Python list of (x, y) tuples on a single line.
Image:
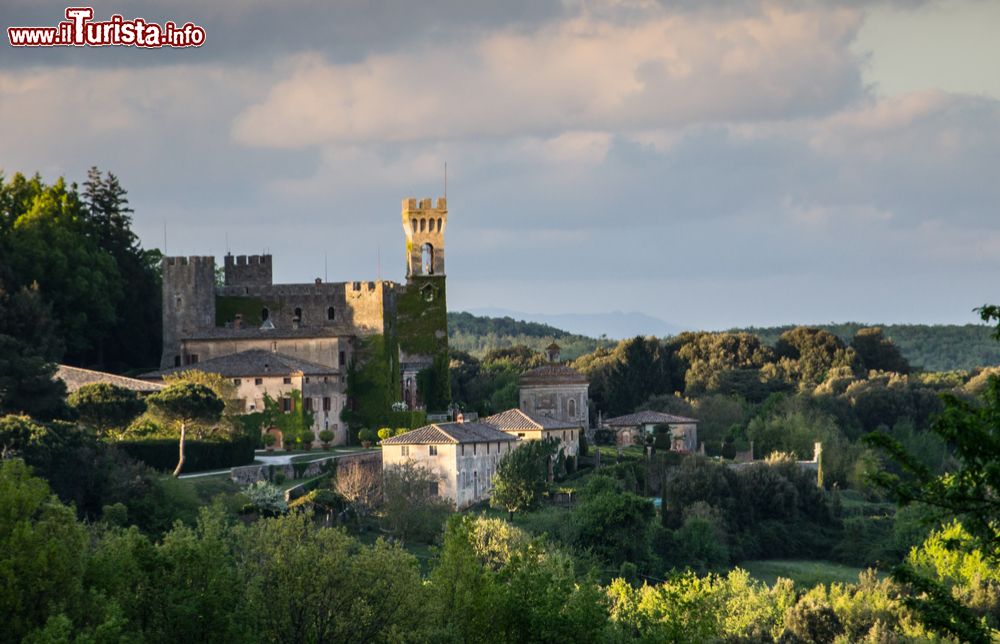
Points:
[(525, 426), (257, 373), (463, 457), (556, 391), (321, 323), (632, 427)]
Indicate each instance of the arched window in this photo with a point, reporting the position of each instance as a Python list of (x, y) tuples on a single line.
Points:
[(572, 407), (427, 259), (330, 313), (430, 225), (264, 314), (439, 225), (428, 293), (423, 225), (413, 224), (298, 313)]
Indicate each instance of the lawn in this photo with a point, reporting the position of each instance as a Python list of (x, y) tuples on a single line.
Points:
[(803, 572)]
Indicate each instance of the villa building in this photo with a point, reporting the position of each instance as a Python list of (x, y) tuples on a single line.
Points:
[(463, 456), (629, 428)]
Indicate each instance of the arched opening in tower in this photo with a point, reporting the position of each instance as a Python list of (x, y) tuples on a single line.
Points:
[(427, 259)]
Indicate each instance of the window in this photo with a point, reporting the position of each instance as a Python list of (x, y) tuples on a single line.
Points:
[(572, 407), (307, 404), (404, 450), (237, 381), (326, 403), (258, 381), (298, 313), (193, 358), (341, 359), (331, 314), (432, 450), (307, 379), (177, 361), (564, 434), (286, 380), (474, 445), (432, 488), (520, 434), (264, 314), (463, 449), (286, 405)]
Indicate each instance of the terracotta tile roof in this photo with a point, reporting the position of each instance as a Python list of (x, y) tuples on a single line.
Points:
[(514, 419), (255, 362), (553, 374), (453, 433), (75, 377), (646, 418)]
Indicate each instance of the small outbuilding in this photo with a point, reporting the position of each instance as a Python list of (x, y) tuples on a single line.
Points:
[(683, 430)]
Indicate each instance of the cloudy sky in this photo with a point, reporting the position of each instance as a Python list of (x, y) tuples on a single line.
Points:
[(710, 164)]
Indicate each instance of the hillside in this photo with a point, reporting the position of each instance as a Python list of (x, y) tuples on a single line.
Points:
[(933, 347), (938, 347), (478, 334)]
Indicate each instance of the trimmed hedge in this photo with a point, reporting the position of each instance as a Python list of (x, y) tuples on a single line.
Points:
[(199, 456)]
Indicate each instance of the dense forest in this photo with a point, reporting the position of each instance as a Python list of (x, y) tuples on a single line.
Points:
[(931, 347)]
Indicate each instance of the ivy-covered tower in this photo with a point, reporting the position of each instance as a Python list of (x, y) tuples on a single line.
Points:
[(422, 311)]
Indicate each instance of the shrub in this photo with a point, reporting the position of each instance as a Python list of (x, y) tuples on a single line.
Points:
[(384, 433), (326, 436), (366, 435), (307, 438), (265, 498), (812, 619), (268, 440)]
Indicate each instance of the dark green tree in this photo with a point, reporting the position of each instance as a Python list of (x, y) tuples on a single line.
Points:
[(106, 407), (188, 406), (522, 476), (135, 337), (878, 352)]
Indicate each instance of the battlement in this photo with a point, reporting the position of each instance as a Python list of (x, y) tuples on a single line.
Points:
[(411, 205), (248, 270), (194, 260), (248, 260)]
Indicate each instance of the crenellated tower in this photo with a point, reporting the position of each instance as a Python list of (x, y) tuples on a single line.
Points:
[(188, 303), (424, 226), (422, 308)]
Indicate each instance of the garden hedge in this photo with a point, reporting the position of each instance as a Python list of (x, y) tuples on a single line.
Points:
[(199, 456)]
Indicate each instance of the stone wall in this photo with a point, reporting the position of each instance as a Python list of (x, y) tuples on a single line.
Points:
[(247, 271)]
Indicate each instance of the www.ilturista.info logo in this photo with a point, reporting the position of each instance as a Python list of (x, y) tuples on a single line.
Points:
[(79, 30)]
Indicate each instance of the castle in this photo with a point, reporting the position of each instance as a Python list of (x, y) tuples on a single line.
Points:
[(272, 337)]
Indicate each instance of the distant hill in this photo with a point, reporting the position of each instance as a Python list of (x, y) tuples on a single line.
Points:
[(615, 324), (937, 347), (478, 334), (932, 347)]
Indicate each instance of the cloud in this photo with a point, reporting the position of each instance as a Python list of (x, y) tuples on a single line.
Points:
[(580, 74)]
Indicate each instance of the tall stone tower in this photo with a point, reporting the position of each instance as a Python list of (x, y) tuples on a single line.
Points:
[(424, 226), (422, 308), (188, 303)]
